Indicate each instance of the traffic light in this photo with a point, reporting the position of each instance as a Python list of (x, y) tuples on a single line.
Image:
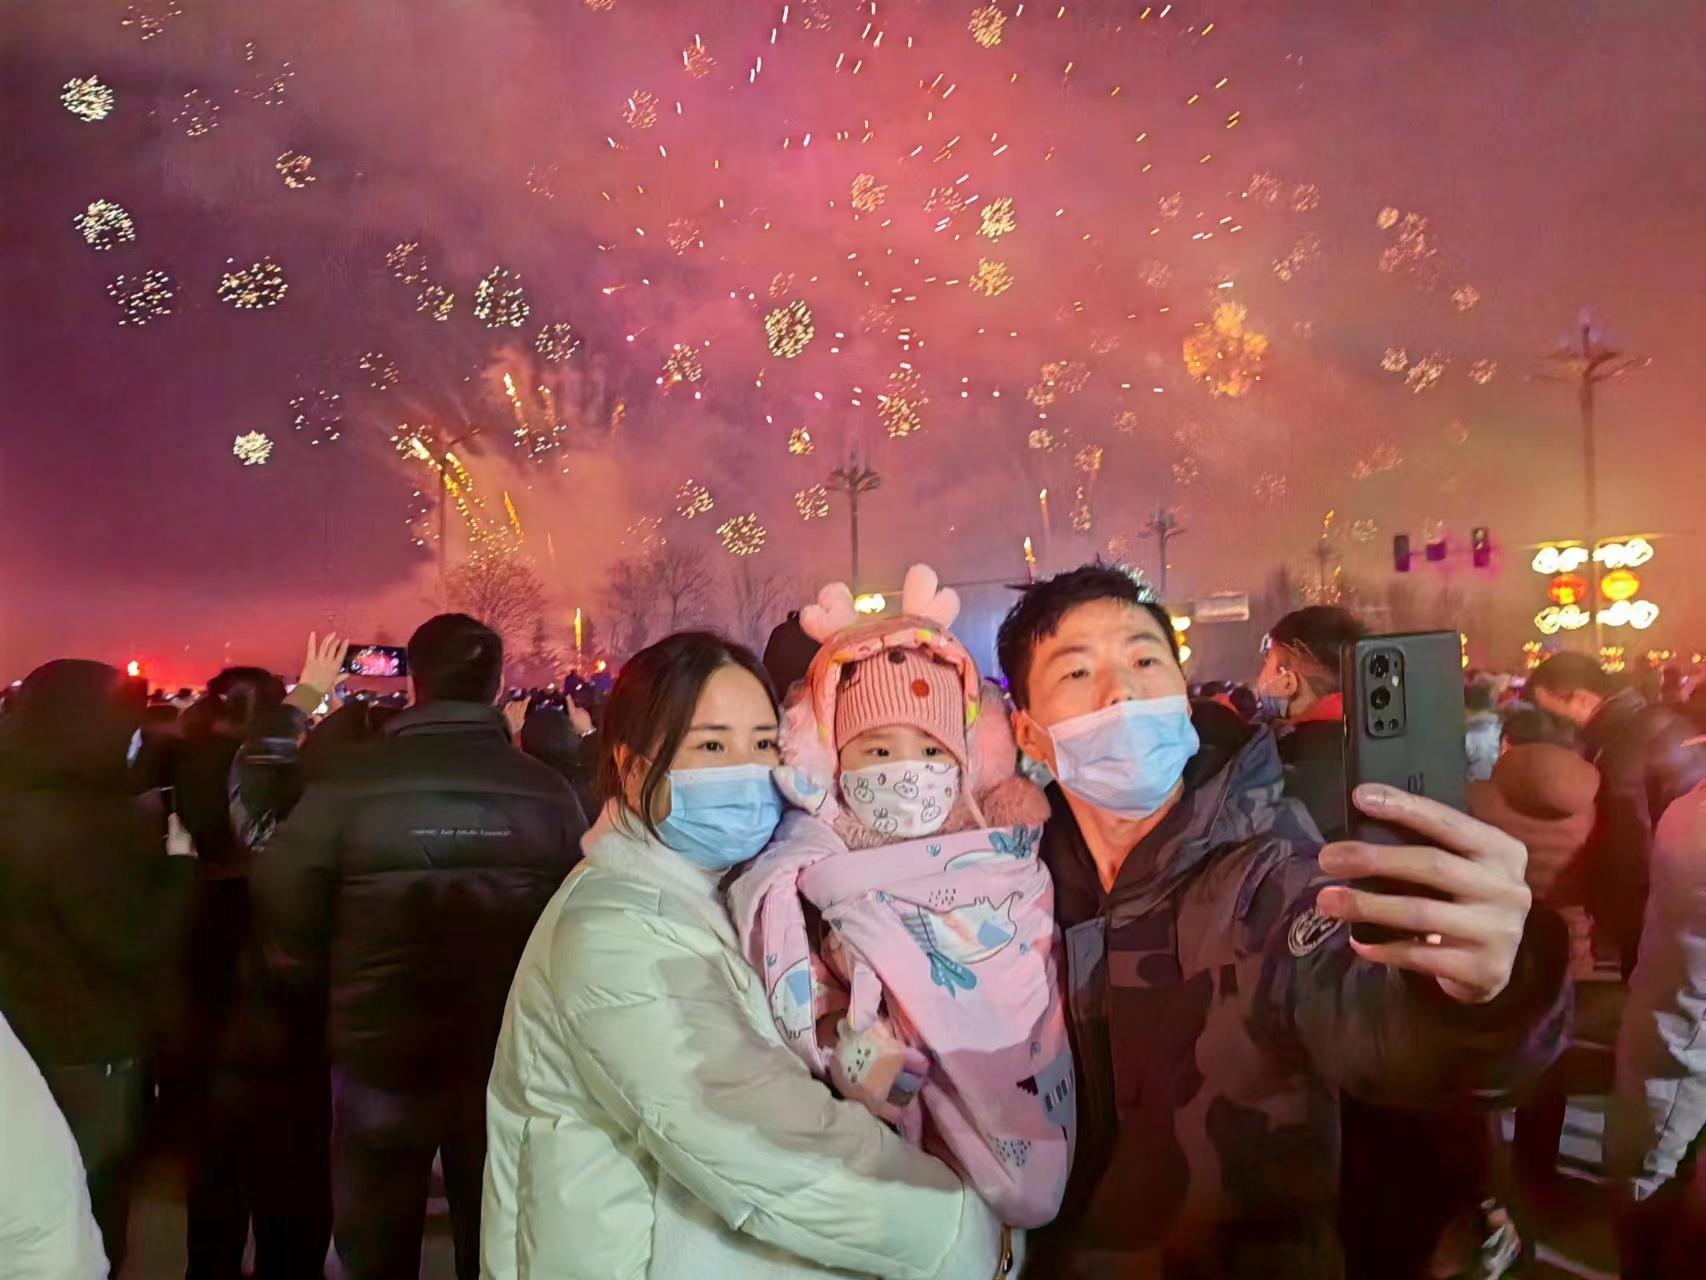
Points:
[(1481, 546), (1401, 553), (1436, 550)]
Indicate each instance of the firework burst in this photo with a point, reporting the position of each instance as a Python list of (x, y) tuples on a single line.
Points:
[(143, 298), (788, 329), (255, 287), (742, 535), (105, 224), (87, 99), (500, 302)]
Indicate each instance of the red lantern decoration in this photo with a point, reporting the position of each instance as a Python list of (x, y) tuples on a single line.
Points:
[(1567, 588)]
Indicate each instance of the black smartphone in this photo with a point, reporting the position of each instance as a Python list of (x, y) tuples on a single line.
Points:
[(1404, 728), (376, 660)]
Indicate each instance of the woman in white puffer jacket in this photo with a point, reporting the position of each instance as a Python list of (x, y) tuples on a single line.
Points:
[(644, 1119)]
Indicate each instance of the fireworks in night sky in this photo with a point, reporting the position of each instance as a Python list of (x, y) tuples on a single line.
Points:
[(989, 248)]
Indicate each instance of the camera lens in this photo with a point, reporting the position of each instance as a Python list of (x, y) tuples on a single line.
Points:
[(1380, 699), (1379, 667)]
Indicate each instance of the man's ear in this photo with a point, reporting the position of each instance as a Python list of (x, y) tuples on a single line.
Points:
[(1033, 739)]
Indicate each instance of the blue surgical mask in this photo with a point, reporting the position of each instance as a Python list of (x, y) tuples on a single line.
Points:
[(1126, 758), (723, 816), (1271, 707)]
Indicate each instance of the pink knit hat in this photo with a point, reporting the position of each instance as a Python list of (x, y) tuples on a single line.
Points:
[(870, 673), (903, 687)]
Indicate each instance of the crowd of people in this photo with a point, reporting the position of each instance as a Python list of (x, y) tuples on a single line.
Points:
[(867, 962)]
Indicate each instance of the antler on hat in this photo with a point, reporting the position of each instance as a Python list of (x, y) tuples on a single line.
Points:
[(833, 612), (923, 596)]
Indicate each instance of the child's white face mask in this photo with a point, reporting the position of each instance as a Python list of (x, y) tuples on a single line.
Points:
[(902, 798)]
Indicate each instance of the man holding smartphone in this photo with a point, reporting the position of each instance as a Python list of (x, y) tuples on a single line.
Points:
[(1217, 1001)]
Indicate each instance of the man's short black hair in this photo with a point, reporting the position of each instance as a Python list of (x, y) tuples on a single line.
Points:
[(1041, 606), (1564, 673), (455, 658), (1319, 633)]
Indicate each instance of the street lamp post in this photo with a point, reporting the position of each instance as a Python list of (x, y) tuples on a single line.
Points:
[(1587, 365), (1163, 527), (854, 479)]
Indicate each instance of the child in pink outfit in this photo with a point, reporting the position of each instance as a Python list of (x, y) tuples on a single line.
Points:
[(902, 920)]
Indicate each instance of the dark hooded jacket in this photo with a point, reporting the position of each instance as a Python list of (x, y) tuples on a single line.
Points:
[(91, 908), (1646, 759), (406, 881), (1215, 1015)]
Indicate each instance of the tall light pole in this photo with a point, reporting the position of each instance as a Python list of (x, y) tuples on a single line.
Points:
[(1587, 362), (1163, 527), (854, 479)]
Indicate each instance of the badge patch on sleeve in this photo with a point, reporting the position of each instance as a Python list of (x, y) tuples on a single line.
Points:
[(1309, 931)]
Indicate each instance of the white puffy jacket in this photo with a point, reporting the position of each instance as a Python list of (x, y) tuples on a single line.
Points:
[(1658, 1107), (645, 1122), (46, 1229)]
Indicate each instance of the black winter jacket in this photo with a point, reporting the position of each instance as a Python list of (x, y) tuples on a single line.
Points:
[(1214, 1016), (91, 908), (408, 880)]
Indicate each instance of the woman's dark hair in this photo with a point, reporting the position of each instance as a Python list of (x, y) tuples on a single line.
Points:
[(651, 707)]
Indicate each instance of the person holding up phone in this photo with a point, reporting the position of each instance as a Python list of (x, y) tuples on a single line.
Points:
[(1217, 1000)]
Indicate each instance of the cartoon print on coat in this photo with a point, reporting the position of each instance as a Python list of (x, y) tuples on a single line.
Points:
[(1052, 1086), (1015, 845), (958, 938), (791, 1000)]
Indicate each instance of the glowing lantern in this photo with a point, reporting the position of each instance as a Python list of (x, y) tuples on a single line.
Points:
[(1567, 588), (1619, 584)]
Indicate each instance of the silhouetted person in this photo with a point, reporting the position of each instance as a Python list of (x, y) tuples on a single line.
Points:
[(91, 911)]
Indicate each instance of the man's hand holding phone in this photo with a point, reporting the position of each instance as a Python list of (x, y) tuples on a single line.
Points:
[(1466, 937)]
